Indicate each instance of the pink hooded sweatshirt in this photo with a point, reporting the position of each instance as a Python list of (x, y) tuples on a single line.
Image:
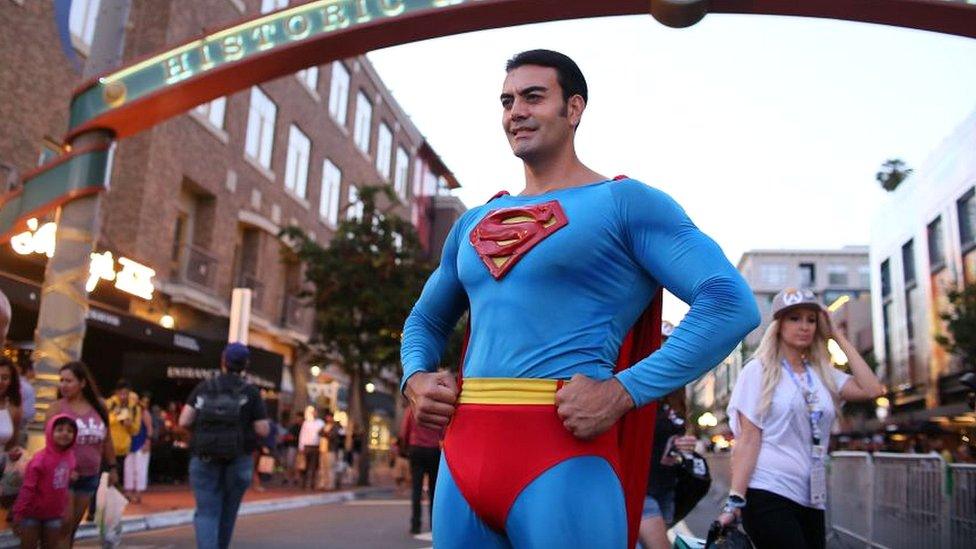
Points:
[(44, 495)]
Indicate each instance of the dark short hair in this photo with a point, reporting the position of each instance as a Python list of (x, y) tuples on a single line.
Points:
[(122, 383), (568, 73), (66, 421)]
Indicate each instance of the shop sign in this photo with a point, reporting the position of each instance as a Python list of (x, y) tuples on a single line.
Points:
[(129, 276), (189, 372), (103, 317), (186, 342)]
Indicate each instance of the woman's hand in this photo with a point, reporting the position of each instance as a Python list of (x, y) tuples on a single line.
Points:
[(726, 519), (826, 325)]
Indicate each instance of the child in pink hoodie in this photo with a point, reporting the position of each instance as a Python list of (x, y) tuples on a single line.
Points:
[(43, 498)]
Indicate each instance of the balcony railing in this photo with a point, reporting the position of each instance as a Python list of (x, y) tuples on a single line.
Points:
[(295, 314), (248, 280), (198, 267)]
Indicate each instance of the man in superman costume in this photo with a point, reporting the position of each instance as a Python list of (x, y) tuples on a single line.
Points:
[(547, 428)]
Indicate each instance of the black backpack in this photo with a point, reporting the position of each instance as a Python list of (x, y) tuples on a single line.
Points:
[(218, 428)]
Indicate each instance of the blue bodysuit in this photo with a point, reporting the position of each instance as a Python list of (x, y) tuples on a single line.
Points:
[(563, 308)]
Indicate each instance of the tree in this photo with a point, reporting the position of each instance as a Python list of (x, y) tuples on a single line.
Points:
[(892, 173), (960, 322), (362, 287)]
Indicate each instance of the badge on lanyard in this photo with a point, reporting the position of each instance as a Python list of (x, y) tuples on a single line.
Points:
[(818, 449)]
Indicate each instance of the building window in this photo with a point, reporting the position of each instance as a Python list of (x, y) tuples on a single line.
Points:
[(773, 274), (808, 275), (339, 93), (329, 201), (908, 262), (260, 128), (401, 171), (268, 6), (213, 111), (384, 148), (81, 20), (837, 275), (885, 279), (936, 250), (864, 276), (966, 208), (309, 77), (296, 169), (355, 208), (364, 121)]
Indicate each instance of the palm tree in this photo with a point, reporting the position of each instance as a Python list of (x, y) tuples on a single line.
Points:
[(892, 173)]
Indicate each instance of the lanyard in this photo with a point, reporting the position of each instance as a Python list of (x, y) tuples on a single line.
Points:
[(811, 399)]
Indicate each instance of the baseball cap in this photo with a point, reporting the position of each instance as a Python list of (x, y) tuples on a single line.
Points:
[(791, 298), (236, 356)]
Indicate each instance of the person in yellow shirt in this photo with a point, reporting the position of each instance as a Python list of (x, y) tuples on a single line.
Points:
[(124, 414)]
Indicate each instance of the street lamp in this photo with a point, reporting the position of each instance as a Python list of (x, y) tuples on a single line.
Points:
[(370, 387), (315, 371), (707, 419)]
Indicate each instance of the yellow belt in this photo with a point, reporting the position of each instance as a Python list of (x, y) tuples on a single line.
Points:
[(507, 390)]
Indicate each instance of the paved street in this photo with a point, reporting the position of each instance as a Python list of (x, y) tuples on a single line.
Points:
[(379, 522)]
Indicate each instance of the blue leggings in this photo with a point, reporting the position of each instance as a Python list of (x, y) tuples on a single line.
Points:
[(577, 503)]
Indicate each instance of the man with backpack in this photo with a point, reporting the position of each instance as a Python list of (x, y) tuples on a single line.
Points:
[(226, 417)]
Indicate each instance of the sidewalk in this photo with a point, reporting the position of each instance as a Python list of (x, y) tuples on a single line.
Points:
[(164, 506)]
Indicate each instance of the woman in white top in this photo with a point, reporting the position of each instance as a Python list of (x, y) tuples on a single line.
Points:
[(781, 412), (10, 412)]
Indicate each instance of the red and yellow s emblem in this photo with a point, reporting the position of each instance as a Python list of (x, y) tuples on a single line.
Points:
[(507, 234)]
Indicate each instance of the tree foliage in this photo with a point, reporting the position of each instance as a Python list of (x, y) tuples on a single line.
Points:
[(892, 173), (960, 322), (361, 288)]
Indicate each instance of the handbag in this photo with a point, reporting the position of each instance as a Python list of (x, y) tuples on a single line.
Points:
[(694, 480), (727, 537), (266, 464)]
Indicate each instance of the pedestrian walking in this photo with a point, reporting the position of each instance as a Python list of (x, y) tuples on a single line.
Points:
[(289, 449), (309, 437), (10, 428), (124, 420), (424, 452), (43, 498), (225, 416), (136, 468), (781, 411), (669, 438), (78, 397)]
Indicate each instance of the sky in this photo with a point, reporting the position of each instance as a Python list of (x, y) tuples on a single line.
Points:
[(768, 130)]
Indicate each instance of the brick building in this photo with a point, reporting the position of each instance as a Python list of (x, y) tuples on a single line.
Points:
[(200, 198)]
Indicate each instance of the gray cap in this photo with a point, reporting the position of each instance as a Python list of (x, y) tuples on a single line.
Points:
[(791, 298)]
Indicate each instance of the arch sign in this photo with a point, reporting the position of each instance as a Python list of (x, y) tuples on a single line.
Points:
[(222, 61)]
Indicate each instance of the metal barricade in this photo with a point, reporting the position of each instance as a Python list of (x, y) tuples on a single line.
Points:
[(908, 501), (962, 506), (850, 492)]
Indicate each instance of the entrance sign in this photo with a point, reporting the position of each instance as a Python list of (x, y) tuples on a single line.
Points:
[(227, 60)]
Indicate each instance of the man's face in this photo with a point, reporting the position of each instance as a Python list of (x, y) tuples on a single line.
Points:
[(536, 119)]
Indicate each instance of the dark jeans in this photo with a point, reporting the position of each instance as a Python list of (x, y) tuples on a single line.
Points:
[(773, 521), (311, 466), (423, 461), (218, 488)]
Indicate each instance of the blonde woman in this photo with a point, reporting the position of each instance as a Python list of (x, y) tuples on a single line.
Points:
[(781, 411)]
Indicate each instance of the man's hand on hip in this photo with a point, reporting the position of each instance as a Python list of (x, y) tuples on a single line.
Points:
[(433, 395), (589, 407)]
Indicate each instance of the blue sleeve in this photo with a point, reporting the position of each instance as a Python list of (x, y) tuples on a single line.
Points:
[(435, 314), (691, 266)]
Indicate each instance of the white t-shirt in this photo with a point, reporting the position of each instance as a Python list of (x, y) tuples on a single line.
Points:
[(310, 434), (784, 462)]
